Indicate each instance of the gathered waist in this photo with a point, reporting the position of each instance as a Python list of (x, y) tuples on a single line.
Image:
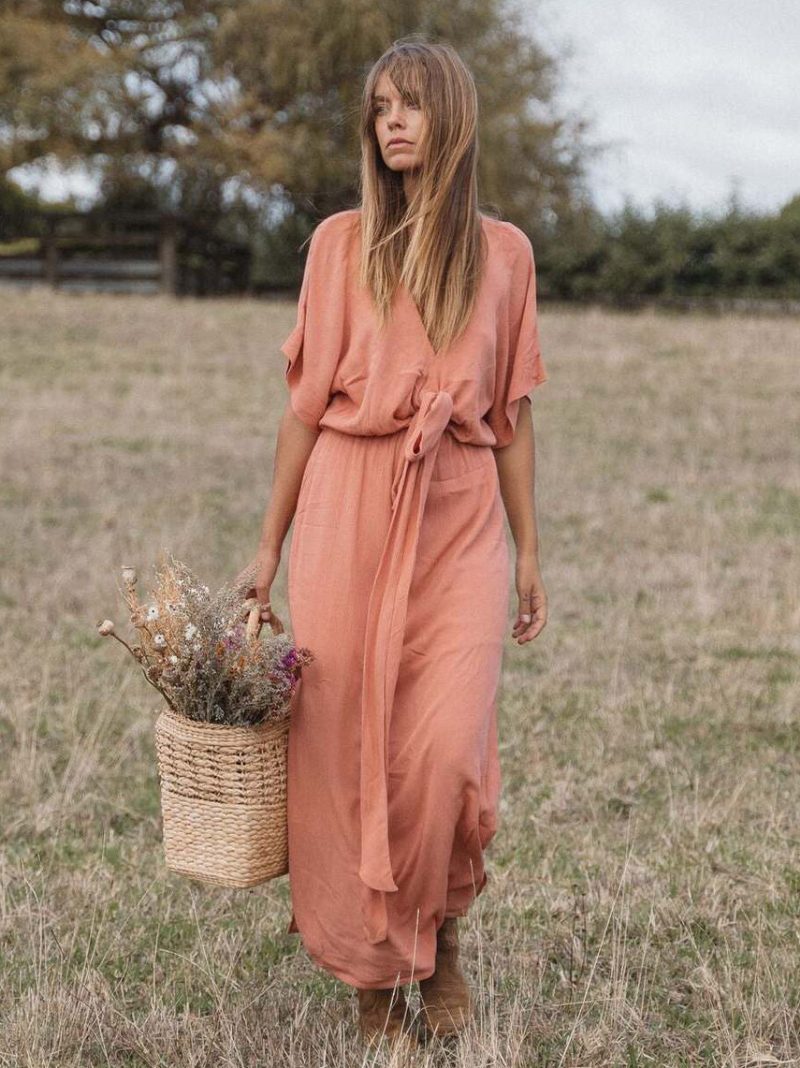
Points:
[(453, 457)]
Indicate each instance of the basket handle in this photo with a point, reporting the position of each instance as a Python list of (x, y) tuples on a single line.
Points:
[(255, 622)]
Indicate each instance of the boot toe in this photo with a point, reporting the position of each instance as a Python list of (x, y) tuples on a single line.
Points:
[(381, 1018)]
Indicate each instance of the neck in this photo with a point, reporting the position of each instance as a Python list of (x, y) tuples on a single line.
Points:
[(410, 183)]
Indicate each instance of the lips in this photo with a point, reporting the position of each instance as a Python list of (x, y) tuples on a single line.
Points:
[(396, 143)]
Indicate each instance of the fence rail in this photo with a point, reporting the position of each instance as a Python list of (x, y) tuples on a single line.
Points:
[(126, 251)]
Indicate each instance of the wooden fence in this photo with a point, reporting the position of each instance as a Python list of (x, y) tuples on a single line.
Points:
[(126, 251)]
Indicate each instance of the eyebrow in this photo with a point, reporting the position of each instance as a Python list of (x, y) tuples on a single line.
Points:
[(376, 97)]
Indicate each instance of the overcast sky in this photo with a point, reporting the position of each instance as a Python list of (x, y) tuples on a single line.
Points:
[(696, 94)]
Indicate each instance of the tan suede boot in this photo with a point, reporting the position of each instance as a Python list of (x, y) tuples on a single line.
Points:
[(382, 1014), (447, 1002)]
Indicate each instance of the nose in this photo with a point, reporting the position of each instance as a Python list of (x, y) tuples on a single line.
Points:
[(396, 113)]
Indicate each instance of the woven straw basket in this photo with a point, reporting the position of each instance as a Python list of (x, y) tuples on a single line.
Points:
[(223, 795)]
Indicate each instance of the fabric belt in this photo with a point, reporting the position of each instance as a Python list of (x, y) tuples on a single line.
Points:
[(385, 631)]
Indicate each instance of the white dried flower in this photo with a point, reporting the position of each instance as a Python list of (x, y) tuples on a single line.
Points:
[(173, 659), (129, 575), (159, 641), (106, 627), (190, 631), (152, 612)]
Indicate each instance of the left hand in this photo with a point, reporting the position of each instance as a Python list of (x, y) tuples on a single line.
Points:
[(532, 599)]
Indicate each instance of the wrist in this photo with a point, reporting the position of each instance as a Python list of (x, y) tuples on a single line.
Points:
[(528, 551)]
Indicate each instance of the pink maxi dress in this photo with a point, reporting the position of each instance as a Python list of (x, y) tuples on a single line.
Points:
[(398, 581)]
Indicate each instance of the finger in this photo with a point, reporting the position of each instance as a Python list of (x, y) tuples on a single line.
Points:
[(262, 597), (529, 634), (538, 618), (526, 613), (536, 626), (524, 607)]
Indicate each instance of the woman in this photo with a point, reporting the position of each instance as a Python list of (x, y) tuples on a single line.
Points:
[(405, 435)]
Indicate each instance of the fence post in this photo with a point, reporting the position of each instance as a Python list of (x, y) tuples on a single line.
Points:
[(50, 254), (168, 255)]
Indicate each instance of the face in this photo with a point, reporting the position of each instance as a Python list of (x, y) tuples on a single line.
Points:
[(399, 125)]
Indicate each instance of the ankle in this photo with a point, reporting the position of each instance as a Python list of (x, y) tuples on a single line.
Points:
[(447, 935)]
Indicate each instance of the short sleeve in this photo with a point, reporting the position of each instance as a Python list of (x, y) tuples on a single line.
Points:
[(314, 346), (519, 367)]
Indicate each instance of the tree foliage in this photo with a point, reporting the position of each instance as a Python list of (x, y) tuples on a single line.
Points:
[(671, 253), (261, 97)]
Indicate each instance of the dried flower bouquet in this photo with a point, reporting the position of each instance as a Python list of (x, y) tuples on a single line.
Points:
[(197, 651)]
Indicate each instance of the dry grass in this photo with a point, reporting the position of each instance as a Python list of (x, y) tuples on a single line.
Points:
[(644, 906)]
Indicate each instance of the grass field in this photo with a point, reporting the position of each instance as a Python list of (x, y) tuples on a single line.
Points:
[(644, 897)]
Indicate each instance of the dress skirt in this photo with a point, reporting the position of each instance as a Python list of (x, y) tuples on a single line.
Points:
[(398, 582)]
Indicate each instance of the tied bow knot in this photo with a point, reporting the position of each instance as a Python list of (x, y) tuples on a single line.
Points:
[(424, 432), (428, 423)]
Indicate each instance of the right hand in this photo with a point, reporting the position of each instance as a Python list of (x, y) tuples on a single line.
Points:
[(264, 568)]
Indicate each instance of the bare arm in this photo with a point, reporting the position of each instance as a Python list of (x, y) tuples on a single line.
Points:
[(516, 469), (294, 443)]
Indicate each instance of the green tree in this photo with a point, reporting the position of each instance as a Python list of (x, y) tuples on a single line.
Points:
[(260, 98)]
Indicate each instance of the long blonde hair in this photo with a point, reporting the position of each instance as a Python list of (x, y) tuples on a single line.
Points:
[(432, 244)]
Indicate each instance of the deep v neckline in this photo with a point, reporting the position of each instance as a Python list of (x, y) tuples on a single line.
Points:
[(423, 333)]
